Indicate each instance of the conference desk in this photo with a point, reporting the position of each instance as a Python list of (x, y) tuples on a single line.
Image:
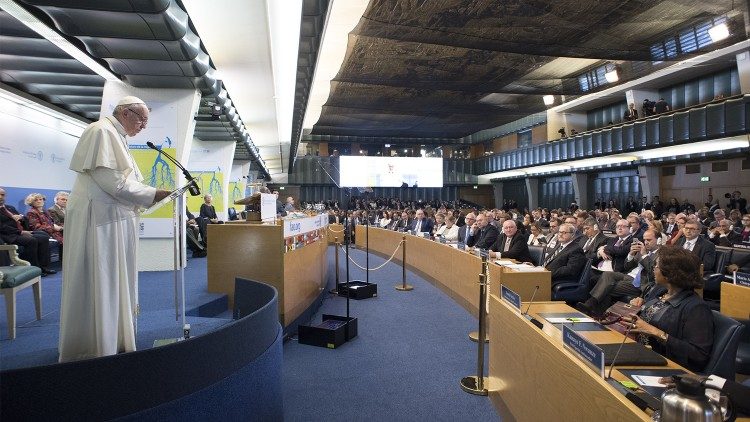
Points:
[(262, 252), (533, 377), (735, 301), (454, 271)]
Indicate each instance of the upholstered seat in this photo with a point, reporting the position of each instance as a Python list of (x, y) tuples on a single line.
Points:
[(15, 277), (727, 335)]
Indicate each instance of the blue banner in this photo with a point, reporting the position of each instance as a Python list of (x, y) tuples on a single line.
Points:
[(510, 296), (588, 352), (742, 279)]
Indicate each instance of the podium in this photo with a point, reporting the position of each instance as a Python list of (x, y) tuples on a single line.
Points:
[(177, 198)]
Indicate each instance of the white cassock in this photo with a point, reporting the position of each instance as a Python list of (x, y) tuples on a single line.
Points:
[(100, 277)]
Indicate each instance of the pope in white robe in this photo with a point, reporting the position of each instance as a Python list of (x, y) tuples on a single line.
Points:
[(100, 276)]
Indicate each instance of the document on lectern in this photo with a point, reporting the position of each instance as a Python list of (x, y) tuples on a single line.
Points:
[(169, 198)]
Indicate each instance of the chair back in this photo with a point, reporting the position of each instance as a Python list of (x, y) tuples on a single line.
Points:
[(232, 214), (727, 334), (536, 253)]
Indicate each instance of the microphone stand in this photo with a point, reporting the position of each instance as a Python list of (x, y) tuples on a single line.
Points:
[(178, 224)]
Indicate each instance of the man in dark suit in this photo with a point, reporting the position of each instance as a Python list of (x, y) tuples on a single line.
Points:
[(636, 281), (511, 243), (704, 249), (671, 225), (636, 229), (482, 234), (404, 223), (421, 224), (35, 245), (594, 239), (723, 235), (617, 248), (465, 230), (566, 260)]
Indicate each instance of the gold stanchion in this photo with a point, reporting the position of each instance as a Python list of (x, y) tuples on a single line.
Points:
[(335, 290), (403, 287), (474, 335), (475, 384)]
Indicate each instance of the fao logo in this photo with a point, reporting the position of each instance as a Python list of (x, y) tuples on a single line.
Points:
[(39, 155)]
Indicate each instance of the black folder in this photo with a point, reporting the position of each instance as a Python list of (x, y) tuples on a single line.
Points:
[(632, 354)]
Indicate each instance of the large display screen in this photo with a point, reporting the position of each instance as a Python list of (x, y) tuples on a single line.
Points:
[(360, 171)]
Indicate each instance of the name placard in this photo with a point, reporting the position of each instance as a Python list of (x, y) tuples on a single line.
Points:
[(296, 226), (742, 279), (510, 296), (588, 352)]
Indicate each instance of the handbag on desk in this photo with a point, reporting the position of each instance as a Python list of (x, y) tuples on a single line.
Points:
[(614, 314)]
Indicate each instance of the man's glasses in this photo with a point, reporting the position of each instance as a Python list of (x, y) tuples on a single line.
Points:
[(144, 121)]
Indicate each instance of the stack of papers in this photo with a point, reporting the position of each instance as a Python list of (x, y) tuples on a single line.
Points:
[(569, 320), (524, 267)]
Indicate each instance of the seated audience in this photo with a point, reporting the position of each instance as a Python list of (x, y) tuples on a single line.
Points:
[(39, 220), (671, 225), (636, 228), (702, 248), (404, 223), (482, 234), (566, 260), (35, 245), (439, 222), (637, 280), (57, 211), (194, 235), (289, 206), (552, 238), (449, 230), (511, 243), (744, 230), (536, 238), (677, 235), (385, 220), (658, 228), (679, 324)]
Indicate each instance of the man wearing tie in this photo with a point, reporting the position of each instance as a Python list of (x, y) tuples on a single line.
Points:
[(594, 238), (465, 231), (420, 224), (565, 261), (704, 249), (638, 280), (671, 224), (511, 244), (482, 234), (618, 248)]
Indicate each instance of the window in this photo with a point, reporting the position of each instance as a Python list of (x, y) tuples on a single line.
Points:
[(524, 139), (668, 171), (692, 168), (746, 164), (719, 166), (595, 77), (686, 41)]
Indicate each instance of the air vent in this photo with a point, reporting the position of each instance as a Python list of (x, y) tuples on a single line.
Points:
[(746, 164), (668, 171), (719, 166)]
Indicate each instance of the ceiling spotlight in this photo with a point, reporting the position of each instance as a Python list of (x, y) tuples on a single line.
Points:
[(548, 99), (612, 76), (719, 32)]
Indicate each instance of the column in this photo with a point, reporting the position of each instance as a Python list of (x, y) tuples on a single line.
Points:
[(497, 187), (743, 70), (171, 126), (532, 189), (581, 189)]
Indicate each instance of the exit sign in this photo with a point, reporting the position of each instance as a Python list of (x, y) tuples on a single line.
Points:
[(705, 179)]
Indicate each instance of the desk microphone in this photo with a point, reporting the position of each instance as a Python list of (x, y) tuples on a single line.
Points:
[(193, 187), (614, 359), (641, 399), (526, 313)]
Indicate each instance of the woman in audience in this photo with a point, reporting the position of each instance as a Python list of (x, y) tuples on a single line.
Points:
[(679, 324), (658, 228), (681, 219), (536, 238), (449, 230), (439, 222), (39, 219), (385, 219)]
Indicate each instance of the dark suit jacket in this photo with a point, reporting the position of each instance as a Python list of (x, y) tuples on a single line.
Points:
[(729, 240), (690, 325), (426, 225), (599, 240), (8, 227), (518, 249), (706, 251), (618, 253), (568, 264), (647, 274), (462, 233), (484, 238)]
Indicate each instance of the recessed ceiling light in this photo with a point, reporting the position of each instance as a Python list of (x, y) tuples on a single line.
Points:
[(719, 32), (548, 99)]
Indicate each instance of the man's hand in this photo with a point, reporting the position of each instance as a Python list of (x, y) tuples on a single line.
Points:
[(638, 301), (17, 217), (161, 194)]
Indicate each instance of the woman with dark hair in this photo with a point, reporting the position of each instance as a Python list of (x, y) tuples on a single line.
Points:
[(678, 324)]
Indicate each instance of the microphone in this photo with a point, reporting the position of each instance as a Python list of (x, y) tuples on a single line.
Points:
[(526, 315), (614, 359), (193, 187)]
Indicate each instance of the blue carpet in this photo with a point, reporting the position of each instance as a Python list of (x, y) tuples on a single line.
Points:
[(36, 341), (406, 363)]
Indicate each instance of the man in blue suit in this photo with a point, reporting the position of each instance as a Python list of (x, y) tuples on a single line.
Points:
[(421, 224)]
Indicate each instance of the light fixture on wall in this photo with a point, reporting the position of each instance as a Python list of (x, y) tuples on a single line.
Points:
[(719, 32), (548, 99), (612, 76)]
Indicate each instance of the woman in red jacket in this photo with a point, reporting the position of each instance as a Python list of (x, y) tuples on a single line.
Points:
[(39, 219)]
